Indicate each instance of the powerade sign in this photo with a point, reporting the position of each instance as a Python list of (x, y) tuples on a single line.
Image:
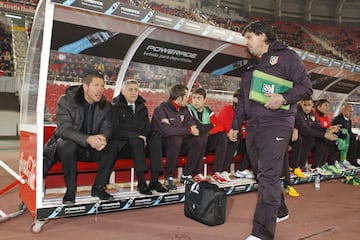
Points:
[(169, 55)]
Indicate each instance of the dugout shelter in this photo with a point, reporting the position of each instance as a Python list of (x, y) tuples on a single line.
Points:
[(107, 29)]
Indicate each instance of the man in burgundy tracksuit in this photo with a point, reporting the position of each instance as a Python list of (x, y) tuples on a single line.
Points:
[(173, 124), (269, 127)]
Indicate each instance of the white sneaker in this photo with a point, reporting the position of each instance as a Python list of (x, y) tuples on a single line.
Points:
[(243, 174), (338, 166), (252, 237), (347, 164), (280, 219), (225, 175), (323, 172)]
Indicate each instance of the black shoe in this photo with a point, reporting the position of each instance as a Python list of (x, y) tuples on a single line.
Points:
[(143, 188), (100, 193), (69, 197), (157, 186), (169, 184)]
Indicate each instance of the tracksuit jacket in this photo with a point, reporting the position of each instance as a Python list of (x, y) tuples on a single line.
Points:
[(281, 62)]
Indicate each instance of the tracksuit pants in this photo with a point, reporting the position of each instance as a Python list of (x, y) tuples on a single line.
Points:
[(266, 147)]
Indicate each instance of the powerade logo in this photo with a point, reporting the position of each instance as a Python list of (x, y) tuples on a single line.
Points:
[(170, 51)]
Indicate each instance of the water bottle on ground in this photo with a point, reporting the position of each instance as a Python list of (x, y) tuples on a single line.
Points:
[(317, 182)]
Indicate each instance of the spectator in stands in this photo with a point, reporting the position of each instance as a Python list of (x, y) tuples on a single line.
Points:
[(214, 131), (132, 129), (322, 144), (269, 127), (176, 127), (225, 116), (84, 132), (304, 121), (348, 144)]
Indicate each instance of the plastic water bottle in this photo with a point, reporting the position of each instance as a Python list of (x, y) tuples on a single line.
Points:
[(317, 182)]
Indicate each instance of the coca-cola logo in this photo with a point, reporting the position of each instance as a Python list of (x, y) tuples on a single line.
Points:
[(27, 169)]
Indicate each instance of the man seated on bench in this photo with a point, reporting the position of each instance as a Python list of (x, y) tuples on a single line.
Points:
[(217, 140), (176, 128), (84, 132), (132, 128)]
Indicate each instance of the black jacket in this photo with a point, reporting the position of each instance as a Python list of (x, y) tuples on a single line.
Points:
[(126, 123), (70, 117), (305, 124), (347, 124)]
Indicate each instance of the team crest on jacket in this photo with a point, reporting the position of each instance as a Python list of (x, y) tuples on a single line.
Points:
[(274, 60), (182, 117)]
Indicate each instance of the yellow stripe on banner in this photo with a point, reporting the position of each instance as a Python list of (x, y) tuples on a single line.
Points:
[(18, 28)]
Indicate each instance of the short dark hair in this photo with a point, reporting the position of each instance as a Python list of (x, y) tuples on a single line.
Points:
[(259, 27), (200, 91), (321, 102), (236, 93), (306, 98), (92, 74), (177, 90)]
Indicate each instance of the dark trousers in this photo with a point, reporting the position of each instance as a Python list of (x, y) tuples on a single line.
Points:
[(218, 143), (230, 151), (333, 153), (266, 147), (306, 145), (136, 149), (155, 152), (296, 152), (321, 148), (245, 161), (69, 153), (286, 171), (192, 146), (240, 148)]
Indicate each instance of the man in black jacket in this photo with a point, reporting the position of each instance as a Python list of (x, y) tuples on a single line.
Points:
[(304, 122), (348, 154), (132, 128), (84, 132)]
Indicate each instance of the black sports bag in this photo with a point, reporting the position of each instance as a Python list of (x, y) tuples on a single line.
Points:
[(205, 202)]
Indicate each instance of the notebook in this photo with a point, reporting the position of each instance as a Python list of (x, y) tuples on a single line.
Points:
[(263, 83)]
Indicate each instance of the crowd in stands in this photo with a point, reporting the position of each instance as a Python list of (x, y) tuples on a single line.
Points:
[(342, 38), (342, 41), (32, 3), (6, 61)]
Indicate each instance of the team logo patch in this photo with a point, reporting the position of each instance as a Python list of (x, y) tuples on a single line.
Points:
[(274, 60), (182, 117), (267, 88)]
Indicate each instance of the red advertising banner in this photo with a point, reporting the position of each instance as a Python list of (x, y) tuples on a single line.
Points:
[(25, 9)]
